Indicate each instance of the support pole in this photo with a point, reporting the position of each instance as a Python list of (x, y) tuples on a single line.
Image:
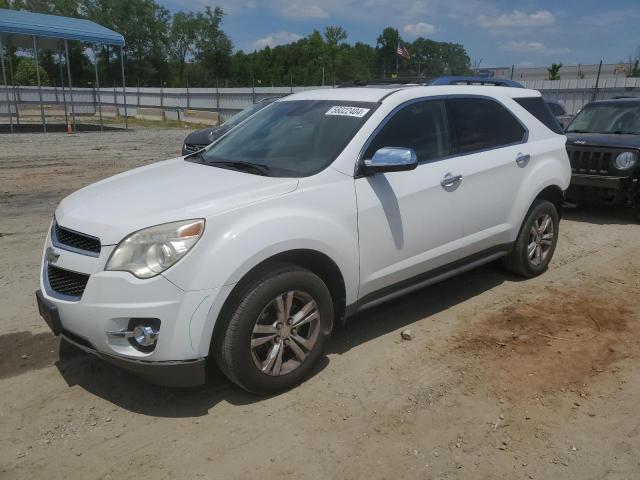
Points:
[(13, 87), (73, 109), (6, 87), (218, 96), (253, 91), (99, 101), (124, 91), (35, 59), (64, 95), (188, 106)]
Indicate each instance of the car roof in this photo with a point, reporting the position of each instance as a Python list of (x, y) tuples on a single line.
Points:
[(375, 95)]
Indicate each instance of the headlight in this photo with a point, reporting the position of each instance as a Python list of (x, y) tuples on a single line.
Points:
[(626, 160), (149, 252)]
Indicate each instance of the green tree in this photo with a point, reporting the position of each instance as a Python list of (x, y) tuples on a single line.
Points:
[(25, 73), (635, 71), (212, 46), (431, 59), (554, 71), (334, 36), (386, 46), (184, 27), (145, 26)]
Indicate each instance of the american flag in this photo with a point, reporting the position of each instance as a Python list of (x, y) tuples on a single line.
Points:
[(403, 52)]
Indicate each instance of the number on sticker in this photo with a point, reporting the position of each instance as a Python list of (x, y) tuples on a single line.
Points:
[(346, 111)]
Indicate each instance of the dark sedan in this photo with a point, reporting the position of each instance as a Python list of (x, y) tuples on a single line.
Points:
[(603, 143), (199, 139)]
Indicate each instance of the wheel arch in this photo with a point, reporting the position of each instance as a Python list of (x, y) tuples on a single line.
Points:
[(313, 260), (554, 194)]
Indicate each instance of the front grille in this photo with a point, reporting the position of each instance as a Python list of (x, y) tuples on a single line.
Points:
[(590, 160), (66, 282), (192, 147), (65, 237)]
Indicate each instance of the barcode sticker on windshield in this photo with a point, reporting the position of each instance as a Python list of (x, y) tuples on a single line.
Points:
[(347, 111)]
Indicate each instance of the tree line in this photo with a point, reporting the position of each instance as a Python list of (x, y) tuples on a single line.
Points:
[(192, 49)]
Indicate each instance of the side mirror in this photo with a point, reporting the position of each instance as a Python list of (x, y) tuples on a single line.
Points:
[(391, 159)]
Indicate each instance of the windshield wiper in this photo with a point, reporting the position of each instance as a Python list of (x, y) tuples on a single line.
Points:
[(578, 131), (258, 168)]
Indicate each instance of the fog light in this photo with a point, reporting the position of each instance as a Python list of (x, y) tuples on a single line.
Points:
[(144, 335)]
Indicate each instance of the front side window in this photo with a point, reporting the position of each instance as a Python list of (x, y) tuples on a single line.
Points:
[(421, 126), (482, 123), (616, 118), (295, 138)]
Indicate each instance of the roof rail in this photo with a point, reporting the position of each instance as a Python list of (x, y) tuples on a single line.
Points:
[(498, 82), (387, 81)]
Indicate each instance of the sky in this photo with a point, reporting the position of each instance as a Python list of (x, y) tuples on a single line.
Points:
[(495, 33)]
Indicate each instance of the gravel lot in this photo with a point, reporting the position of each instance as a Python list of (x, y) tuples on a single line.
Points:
[(502, 379)]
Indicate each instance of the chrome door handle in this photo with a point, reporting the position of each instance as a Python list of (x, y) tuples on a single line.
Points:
[(450, 180), (523, 159)]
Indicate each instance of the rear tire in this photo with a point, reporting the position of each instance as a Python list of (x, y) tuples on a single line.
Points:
[(276, 328), (536, 241)]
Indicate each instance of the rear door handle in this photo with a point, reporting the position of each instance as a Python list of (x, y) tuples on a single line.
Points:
[(523, 159), (451, 180)]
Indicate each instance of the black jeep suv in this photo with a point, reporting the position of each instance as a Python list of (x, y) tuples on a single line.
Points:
[(603, 143)]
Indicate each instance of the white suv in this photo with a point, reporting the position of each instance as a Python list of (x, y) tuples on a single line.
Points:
[(322, 204)]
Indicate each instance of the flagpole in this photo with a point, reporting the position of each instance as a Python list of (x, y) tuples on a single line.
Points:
[(397, 60)]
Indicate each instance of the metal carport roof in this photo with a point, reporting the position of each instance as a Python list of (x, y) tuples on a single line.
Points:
[(37, 30), (16, 23)]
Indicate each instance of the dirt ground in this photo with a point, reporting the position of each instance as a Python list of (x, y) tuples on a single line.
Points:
[(503, 378)]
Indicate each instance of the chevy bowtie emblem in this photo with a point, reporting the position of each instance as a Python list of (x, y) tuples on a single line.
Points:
[(51, 256)]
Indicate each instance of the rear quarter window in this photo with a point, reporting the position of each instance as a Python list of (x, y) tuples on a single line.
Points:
[(540, 109)]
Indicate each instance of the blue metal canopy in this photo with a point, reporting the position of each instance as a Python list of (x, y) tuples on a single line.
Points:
[(17, 22)]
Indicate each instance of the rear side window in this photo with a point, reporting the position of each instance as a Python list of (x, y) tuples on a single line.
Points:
[(541, 110), (482, 123), (556, 108), (421, 126)]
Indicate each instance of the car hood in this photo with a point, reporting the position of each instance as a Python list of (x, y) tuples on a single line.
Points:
[(604, 140), (163, 192), (206, 136)]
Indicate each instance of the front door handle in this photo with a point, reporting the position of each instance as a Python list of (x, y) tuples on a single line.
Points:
[(450, 180), (523, 159)]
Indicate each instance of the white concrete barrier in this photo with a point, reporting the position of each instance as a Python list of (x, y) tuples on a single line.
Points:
[(31, 110), (146, 113), (203, 117), (108, 111)]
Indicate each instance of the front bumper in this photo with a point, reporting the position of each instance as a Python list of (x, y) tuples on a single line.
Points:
[(187, 373), (598, 181), (111, 299)]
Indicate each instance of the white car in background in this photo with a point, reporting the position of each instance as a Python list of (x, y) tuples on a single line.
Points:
[(328, 202)]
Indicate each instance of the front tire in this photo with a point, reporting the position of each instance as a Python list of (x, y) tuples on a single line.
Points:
[(536, 242), (276, 328)]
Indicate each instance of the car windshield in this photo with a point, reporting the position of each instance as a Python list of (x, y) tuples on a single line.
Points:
[(620, 118), (295, 138), (246, 113)]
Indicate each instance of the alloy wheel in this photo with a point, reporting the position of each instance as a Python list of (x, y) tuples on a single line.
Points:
[(285, 333), (541, 237)]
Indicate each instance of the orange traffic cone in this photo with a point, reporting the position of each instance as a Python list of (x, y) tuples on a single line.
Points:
[(69, 131)]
